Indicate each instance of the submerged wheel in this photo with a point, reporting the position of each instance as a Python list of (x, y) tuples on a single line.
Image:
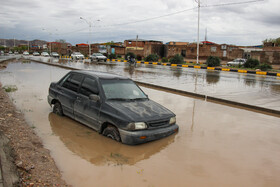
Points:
[(57, 109), (112, 132)]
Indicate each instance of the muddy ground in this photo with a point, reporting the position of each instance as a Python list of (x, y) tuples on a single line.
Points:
[(31, 164)]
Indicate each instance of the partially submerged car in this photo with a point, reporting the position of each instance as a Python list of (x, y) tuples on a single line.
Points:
[(98, 57), (235, 62), (77, 56), (112, 105)]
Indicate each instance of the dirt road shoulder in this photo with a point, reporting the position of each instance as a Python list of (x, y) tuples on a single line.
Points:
[(24, 160)]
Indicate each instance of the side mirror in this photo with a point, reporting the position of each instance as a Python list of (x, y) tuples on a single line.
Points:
[(94, 97)]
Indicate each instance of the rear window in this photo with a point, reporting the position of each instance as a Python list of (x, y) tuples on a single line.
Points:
[(73, 82)]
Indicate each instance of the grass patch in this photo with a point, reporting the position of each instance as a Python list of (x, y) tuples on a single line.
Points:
[(10, 88)]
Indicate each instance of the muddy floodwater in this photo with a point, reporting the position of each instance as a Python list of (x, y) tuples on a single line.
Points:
[(216, 145)]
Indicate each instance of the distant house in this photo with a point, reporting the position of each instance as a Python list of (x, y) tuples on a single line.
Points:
[(143, 48)]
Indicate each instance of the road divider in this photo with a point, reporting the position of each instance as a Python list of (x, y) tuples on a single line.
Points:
[(203, 67)]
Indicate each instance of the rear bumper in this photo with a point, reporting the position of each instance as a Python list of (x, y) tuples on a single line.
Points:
[(50, 98), (137, 137)]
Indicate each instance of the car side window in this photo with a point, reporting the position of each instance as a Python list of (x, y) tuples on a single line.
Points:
[(73, 82), (89, 86)]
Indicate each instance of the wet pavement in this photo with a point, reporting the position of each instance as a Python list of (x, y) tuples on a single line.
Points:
[(216, 145), (259, 90)]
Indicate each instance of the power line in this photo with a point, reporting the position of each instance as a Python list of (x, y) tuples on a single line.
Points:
[(233, 3), (166, 15)]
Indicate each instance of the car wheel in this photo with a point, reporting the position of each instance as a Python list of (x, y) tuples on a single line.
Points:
[(57, 109), (112, 132)]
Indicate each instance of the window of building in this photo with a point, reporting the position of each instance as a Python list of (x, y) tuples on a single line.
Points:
[(213, 49)]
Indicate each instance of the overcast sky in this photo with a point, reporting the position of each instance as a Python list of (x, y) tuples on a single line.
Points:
[(239, 24)]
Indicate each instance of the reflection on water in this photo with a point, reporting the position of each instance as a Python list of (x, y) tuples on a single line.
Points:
[(212, 77), (98, 149), (250, 82), (177, 72)]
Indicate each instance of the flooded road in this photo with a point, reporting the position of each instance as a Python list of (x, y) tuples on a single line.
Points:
[(216, 145), (259, 90)]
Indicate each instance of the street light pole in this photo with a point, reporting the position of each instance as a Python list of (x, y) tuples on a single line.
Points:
[(198, 17), (90, 33)]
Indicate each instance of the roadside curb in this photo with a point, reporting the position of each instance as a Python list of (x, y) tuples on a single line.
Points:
[(204, 67), (194, 95)]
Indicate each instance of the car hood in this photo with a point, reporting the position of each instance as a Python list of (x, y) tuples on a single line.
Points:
[(141, 110)]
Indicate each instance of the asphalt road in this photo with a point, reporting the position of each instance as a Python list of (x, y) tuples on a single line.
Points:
[(216, 145)]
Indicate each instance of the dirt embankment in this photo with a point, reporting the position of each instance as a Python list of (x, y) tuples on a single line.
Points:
[(32, 163)]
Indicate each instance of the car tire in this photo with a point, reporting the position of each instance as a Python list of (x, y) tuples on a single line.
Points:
[(112, 132), (57, 109)]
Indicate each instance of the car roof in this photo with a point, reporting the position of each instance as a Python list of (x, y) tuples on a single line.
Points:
[(99, 74)]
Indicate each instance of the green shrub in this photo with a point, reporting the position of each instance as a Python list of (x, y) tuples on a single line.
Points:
[(129, 54), (177, 59), (119, 56), (164, 59), (265, 67), (213, 61), (138, 57), (251, 63), (152, 58), (112, 56)]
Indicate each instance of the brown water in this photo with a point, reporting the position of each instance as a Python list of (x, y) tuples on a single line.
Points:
[(216, 145)]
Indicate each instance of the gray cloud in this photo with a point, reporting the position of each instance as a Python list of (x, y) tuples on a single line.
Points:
[(246, 24)]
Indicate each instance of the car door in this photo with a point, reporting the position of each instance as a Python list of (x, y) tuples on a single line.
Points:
[(67, 93), (86, 110)]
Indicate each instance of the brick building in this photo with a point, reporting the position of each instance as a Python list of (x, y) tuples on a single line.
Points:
[(82, 48), (269, 55), (60, 48), (206, 49), (142, 47)]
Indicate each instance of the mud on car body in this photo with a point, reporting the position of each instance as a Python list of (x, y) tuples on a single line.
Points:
[(112, 105)]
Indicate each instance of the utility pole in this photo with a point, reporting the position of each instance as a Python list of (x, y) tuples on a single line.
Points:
[(136, 42), (198, 12), (90, 34)]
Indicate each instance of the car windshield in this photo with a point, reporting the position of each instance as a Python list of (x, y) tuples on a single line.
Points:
[(77, 53), (116, 89)]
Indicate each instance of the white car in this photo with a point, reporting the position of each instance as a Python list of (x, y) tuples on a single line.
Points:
[(36, 54), (25, 53), (55, 54), (45, 54), (98, 57), (77, 56), (238, 61)]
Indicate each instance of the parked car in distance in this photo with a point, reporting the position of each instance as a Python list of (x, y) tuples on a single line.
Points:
[(238, 61), (77, 56), (98, 57), (25, 53), (16, 53), (2, 53), (45, 54), (10, 52), (36, 54), (55, 54), (112, 105)]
